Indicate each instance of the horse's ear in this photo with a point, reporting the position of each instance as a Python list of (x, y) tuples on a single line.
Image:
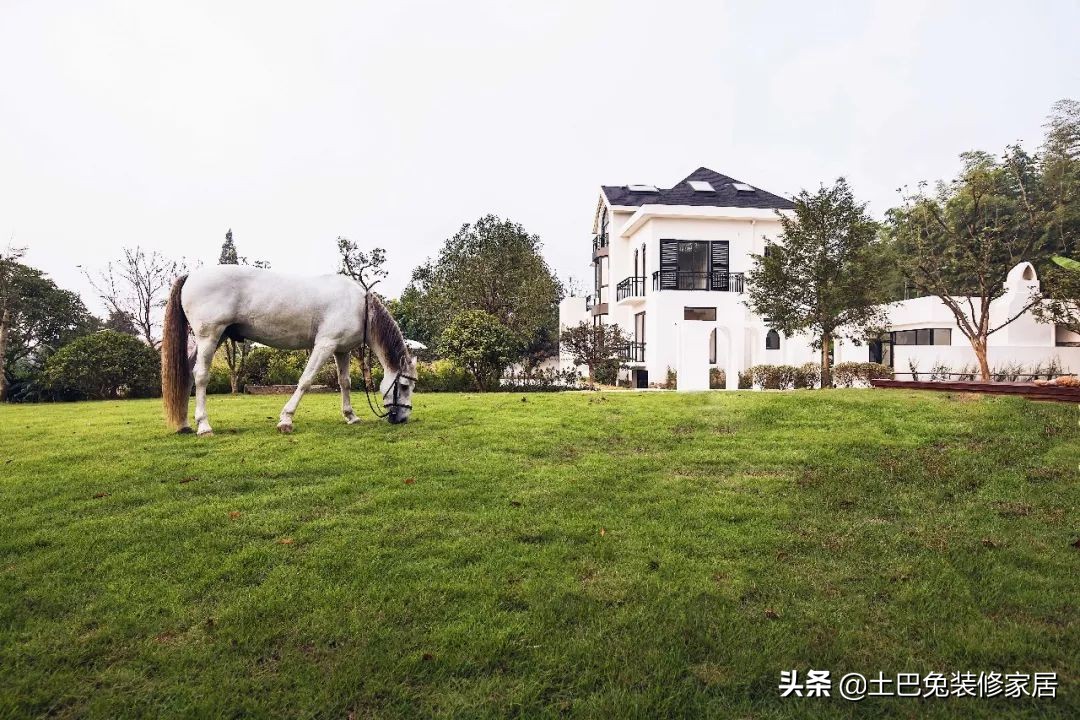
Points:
[(415, 344)]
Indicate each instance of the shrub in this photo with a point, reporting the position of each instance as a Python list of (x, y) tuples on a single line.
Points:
[(672, 380), (717, 379), (104, 365), (746, 380), (442, 376), (807, 376), (606, 371), (773, 377), (846, 374), (479, 342)]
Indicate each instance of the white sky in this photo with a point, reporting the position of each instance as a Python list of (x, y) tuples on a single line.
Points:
[(164, 124)]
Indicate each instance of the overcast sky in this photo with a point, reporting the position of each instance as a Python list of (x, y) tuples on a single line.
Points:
[(164, 124)]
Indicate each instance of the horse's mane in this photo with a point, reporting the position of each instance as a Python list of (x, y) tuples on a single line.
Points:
[(384, 329)]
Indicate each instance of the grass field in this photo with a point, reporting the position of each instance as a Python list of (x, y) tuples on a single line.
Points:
[(586, 555)]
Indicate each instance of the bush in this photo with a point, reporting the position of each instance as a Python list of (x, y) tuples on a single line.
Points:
[(717, 379), (807, 376), (746, 380), (479, 342), (846, 374), (442, 376), (672, 380), (104, 365), (548, 380), (773, 377), (606, 372)]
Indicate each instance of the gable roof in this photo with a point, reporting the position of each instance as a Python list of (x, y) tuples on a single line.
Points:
[(725, 194)]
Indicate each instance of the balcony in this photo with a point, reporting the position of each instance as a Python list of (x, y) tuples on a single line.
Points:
[(600, 246), (633, 352), (715, 280), (630, 288)]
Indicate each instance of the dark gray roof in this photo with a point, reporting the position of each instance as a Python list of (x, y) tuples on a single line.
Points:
[(682, 194)]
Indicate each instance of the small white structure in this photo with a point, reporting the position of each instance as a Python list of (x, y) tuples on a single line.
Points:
[(923, 334)]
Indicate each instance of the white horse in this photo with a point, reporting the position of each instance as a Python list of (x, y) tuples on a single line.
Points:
[(329, 315)]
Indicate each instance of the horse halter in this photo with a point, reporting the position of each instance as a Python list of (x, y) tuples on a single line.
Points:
[(369, 383)]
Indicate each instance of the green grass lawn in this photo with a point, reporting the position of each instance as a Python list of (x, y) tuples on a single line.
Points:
[(586, 555)]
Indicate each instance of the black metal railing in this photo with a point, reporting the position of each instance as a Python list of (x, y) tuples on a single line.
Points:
[(633, 352), (630, 287), (715, 280), (599, 241)]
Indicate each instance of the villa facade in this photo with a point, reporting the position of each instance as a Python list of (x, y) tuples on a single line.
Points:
[(669, 268)]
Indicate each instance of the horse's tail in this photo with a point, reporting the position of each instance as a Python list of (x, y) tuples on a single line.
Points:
[(175, 369)]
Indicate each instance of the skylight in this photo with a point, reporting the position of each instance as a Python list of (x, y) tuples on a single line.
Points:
[(742, 187), (701, 185), (642, 188)]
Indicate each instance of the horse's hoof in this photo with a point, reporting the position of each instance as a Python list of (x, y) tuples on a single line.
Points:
[(184, 431), (284, 428), (206, 433), (352, 420)]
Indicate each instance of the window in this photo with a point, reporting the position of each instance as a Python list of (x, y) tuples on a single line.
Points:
[(701, 186), (742, 187), (699, 313), (642, 188), (639, 328), (772, 340), (693, 265), (923, 336), (712, 347)]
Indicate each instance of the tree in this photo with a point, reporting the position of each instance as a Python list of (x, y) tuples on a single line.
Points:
[(236, 353), (494, 266), (121, 322), (960, 240), (364, 267), (593, 345), (481, 344), (138, 285), (104, 365), (821, 278), (1062, 305), (36, 318)]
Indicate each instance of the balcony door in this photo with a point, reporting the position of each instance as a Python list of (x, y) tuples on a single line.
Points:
[(693, 265)]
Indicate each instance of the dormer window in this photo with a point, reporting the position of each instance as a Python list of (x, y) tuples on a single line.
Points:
[(701, 186)]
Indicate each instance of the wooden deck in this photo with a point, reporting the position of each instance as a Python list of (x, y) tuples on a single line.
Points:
[(1023, 389)]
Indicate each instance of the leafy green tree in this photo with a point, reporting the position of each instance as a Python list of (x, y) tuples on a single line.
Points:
[(593, 346), (959, 241), (36, 318), (1062, 304), (481, 344), (104, 365), (495, 266), (821, 278)]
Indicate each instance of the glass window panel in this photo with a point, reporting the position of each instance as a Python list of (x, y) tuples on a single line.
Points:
[(699, 313), (922, 337), (943, 336)]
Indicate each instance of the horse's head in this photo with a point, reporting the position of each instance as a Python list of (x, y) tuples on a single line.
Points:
[(397, 389)]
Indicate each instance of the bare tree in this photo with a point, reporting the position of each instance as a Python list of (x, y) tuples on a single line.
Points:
[(9, 295), (138, 285), (363, 267)]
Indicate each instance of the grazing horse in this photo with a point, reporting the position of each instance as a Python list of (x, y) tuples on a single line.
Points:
[(328, 314)]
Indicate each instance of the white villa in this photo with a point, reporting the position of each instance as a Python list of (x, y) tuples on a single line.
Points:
[(668, 267)]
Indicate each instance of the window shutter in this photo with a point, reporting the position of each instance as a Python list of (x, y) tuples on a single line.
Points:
[(669, 264), (718, 261)]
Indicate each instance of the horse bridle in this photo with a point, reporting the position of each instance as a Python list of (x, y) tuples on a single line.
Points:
[(369, 382)]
